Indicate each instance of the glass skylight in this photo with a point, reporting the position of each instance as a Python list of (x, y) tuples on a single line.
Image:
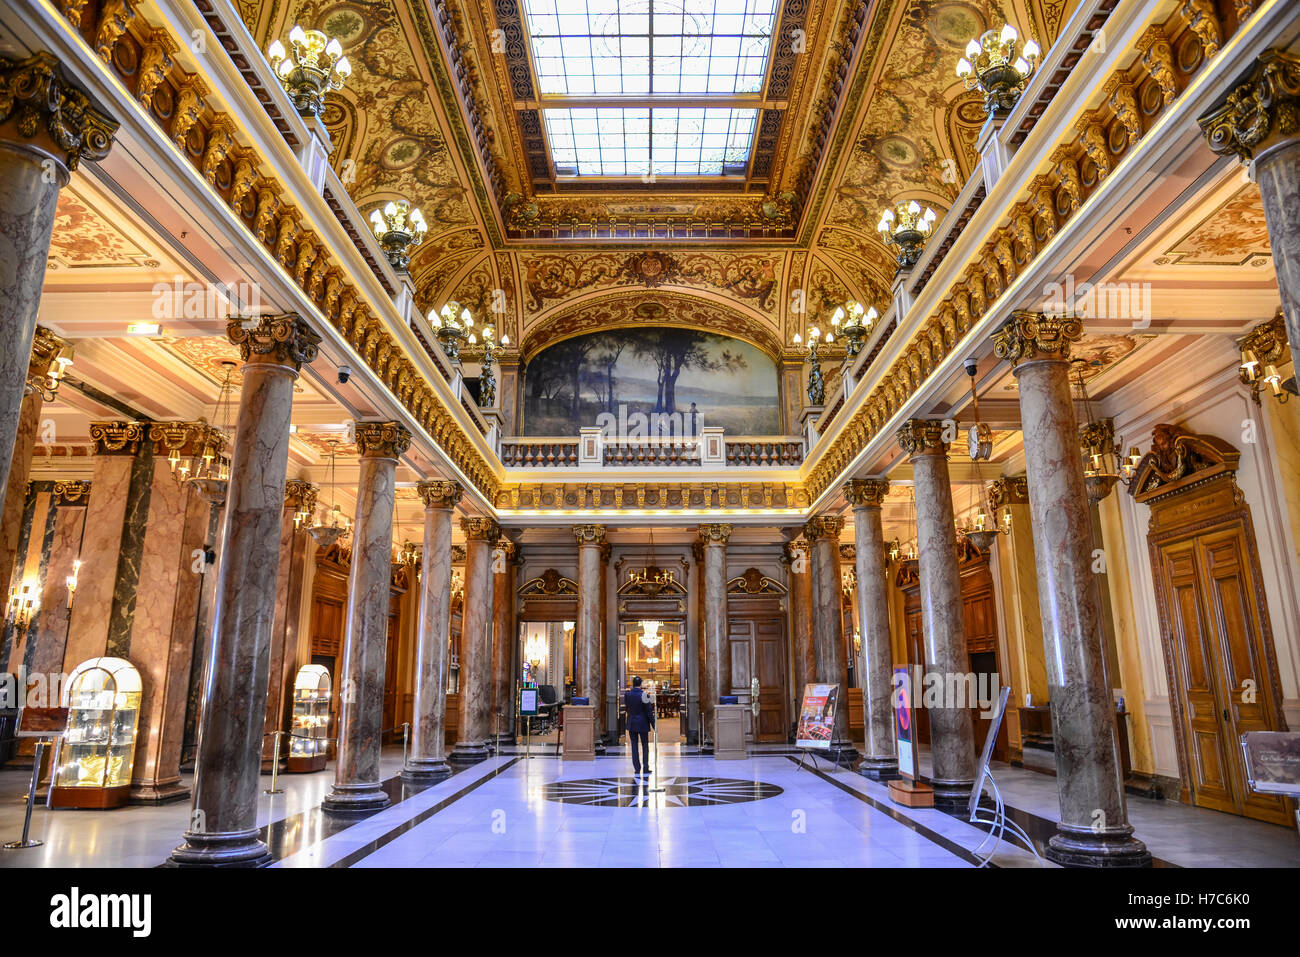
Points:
[(650, 47), (665, 141)]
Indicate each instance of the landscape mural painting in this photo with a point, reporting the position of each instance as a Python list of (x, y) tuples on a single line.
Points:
[(656, 381)]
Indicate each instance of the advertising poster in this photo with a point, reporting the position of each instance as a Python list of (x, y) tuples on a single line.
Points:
[(528, 702), (903, 725), (817, 716)]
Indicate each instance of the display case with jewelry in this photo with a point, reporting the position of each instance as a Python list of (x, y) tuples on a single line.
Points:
[(309, 745), (95, 756)]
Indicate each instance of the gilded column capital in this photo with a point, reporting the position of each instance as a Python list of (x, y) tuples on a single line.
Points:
[(439, 494), (75, 492), (458, 554), (34, 94), (1260, 111), (922, 437), (186, 438), (589, 534), (868, 493), (118, 437), (300, 496), (823, 526), (478, 529), (1031, 335), (848, 552), (1009, 490), (792, 552), (714, 534), (384, 440), (284, 340)]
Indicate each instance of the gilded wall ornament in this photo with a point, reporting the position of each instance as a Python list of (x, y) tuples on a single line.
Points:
[(117, 437), (714, 534), (823, 527), (1032, 335)]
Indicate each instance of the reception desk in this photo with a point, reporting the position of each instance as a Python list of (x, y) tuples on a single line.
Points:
[(729, 732), (580, 732)]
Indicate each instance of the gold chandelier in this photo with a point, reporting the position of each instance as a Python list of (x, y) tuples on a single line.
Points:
[(992, 66), (651, 579), (332, 526), (853, 321), (315, 67), (398, 228), (451, 324), (906, 226), (1102, 465)]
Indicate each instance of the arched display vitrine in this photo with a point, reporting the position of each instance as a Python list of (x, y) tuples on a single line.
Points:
[(95, 757), (309, 746)]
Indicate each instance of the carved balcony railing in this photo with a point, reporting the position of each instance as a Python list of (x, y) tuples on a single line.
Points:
[(785, 452), (539, 454)]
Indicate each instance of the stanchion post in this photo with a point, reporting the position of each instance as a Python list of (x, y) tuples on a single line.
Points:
[(275, 766), (31, 799), (654, 711), (406, 737)]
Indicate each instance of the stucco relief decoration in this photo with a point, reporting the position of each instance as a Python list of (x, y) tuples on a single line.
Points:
[(85, 237), (1232, 235), (752, 278)]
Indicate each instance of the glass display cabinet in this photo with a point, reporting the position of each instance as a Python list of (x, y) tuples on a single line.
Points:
[(96, 754), (309, 746)]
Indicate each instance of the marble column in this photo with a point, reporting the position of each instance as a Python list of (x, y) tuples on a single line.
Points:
[(365, 638), (297, 548), (47, 127), (880, 760), (1094, 829), (45, 348), (715, 637), (602, 665), (702, 737), (223, 818), (829, 663), (947, 663), (426, 762), (797, 556), (476, 643), (587, 636), (1256, 122), (504, 642)]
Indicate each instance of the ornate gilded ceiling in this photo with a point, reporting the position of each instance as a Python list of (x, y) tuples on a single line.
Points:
[(438, 111)]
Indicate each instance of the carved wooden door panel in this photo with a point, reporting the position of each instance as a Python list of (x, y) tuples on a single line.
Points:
[(741, 636), (769, 668), (1197, 676)]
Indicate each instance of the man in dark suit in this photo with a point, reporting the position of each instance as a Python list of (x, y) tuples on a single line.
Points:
[(640, 719)]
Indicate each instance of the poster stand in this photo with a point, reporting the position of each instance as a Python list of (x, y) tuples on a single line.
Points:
[(999, 825), (909, 790), (816, 725), (810, 753), (41, 724)]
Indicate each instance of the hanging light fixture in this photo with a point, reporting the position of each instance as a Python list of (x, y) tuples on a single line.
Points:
[(48, 385), (855, 323), (206, 461), (326, 533), (906, 226), (651, 579), (536, 648), (451, 324), (398, 228), (650, 637), (992, 66), (315, 67), (1102, 467)]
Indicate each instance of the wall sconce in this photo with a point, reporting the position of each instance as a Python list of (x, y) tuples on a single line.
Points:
[(23, 603), (316, 66), (906, 226), (854, 322), (451, 324), (1264, 350), (398, 228), (48, 384), (992, 67), (71, 582)]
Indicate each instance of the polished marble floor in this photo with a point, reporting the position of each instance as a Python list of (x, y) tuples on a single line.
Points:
[(697, 812)]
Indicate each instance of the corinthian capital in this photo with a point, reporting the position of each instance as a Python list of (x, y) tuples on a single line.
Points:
[(384, 440), (439, 494), (715, 534), (868, 492), (480, 529), (922, 437), (39, 103), (1261, 110), (589, 534), (1032, 335), (823, 526), (283, 340)]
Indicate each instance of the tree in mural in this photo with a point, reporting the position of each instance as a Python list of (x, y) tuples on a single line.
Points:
[(673, 350)]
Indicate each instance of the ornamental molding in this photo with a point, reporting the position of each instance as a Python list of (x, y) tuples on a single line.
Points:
[(38, 102), (117, 437), (67, 493), (439, 494), (186, 438), (300, 496), (1008, 490), (385, 440)]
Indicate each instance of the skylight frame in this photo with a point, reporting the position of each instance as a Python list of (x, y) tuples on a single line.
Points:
[(741, 102)]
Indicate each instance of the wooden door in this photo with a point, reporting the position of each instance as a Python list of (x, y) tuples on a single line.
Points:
[(769, 666), (1218, 664), (740, 634)]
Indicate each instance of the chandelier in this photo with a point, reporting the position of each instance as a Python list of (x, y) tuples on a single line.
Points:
[(451, 324), (906, 226), (992, 67), (1263, 351), (333, 525), (536, 648), (650, 637), (315, 67), (985, 528), (1101, 452), (651, 579), (854, 322), (207, 462), (398, 228)]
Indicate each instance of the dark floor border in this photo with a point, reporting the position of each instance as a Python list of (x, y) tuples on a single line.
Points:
[(388, 837)]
